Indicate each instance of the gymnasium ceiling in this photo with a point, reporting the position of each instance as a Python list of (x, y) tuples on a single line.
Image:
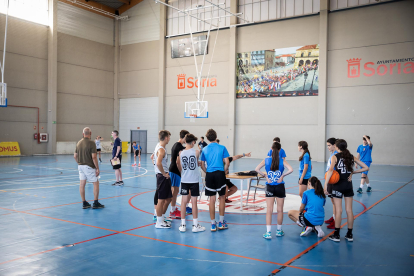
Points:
[(111, 6)]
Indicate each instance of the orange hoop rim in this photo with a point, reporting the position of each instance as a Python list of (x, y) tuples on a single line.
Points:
[(193, 115)]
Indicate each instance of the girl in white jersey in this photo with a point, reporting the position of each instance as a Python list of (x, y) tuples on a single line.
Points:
[(187, 163), (330, 143)]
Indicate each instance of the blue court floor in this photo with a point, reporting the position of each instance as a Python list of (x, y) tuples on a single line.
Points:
[(45, 231)]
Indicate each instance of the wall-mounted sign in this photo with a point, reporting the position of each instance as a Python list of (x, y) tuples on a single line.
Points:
[(278, 72), (381, 67), (184, 48)]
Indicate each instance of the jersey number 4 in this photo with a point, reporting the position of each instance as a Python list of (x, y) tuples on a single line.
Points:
[(341, 166)]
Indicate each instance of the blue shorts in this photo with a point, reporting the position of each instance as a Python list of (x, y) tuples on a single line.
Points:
[(368, 164), (175, 179)]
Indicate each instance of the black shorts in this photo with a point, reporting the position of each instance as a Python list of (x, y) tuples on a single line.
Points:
[(276, 191), (215, 183), (163, 187), (117, 167), (98, 149), (342, 189), (229, 184), (193, 187), (304, 221), (329, 189), (137, 152), (304, 182)]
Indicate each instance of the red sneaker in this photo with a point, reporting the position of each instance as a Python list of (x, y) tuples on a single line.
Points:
[(172, 215), (177, 214), (228, 200), (329, 220), (331, 225)]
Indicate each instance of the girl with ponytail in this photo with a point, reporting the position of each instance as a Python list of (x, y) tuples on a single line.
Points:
[(330, 143), (343, 163), (305, 168), (313, 201), (275, 187)]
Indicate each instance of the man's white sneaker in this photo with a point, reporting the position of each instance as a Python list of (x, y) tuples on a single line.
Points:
[(198, 228), (318, 229), (162, 226), (306, 231), (182, 228)]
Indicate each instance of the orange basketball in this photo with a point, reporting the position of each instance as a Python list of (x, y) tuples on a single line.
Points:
[(334, 178)]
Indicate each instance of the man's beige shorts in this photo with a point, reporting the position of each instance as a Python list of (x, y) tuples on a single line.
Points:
[(87, 173)]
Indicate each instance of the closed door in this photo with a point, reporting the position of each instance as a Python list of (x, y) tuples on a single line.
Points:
[(139, 136)]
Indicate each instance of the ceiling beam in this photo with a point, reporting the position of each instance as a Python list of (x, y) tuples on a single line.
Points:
[(93, 4), (124, 1), (126, 7)]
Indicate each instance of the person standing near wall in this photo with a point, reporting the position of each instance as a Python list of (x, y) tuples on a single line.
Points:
[(85, 156), (305, 167), (330, 143), (117, 158), (364, 154), (98, 146)]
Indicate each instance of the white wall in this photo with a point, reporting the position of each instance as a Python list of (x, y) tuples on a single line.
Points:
[(143, 24), (81, 23), (142, 113)]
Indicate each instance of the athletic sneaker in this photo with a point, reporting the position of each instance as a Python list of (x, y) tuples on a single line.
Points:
[(177, 214), (319, 231), (332, 225), (134, 165), (369, 189), (222, 225), (182, 228), (139, 164), (154, 218), (335, 238), (116, 184), (162, 226), (329, 220), (279, 233), (100, 160), (214, 227), (349, 237), (359, 191), (198, 228), (86, 205), (228, 200), (188, 210), (306, 231), (172, 215), (169, 219), (121, 182), (97, 206), (267, 235)]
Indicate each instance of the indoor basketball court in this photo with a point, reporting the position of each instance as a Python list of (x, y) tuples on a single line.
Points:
[(189, 137)]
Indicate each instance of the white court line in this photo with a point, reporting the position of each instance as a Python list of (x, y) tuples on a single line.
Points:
[(64, 185), (18, 170), (198, 260)]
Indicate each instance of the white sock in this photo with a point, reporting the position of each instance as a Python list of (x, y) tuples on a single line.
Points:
[(155, 212), (195, 222), (172, 209), (135, 162), (269, 228), (279, 227), (182, 221), (213, 221), (160, 220), (221, 218), (361, 186), (368, 185), (186, 205), (333, 216)]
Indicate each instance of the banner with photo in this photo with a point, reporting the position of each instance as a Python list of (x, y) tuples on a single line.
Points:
[(278, 72)]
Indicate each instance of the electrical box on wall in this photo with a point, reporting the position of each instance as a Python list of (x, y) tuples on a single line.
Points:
[(43, 137), (35, 136)]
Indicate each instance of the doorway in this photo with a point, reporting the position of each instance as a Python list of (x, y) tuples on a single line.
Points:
[(139, 136)]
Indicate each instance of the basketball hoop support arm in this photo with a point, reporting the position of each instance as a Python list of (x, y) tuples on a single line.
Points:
[(38, 111)]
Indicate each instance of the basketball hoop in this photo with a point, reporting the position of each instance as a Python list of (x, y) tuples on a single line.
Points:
[(193, 117)]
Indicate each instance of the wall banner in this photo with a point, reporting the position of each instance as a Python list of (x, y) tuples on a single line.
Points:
[(9, 148), (278, 72)]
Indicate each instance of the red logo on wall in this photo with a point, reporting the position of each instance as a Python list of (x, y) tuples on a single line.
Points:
[(181, 81), (354, 67)]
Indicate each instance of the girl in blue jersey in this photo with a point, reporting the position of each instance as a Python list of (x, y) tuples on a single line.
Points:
[(313, 201), (275, 187), (330, 143), (364, 154), (305, 167)]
